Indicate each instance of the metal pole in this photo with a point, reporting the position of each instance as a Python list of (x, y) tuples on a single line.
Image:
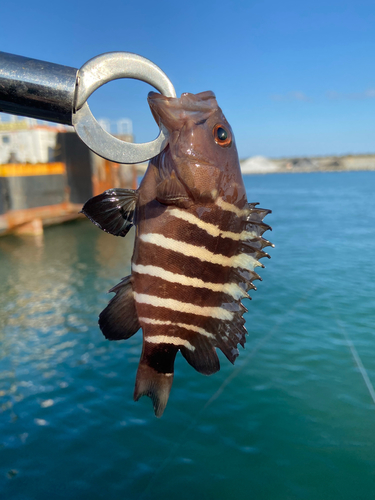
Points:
[(38, 89)]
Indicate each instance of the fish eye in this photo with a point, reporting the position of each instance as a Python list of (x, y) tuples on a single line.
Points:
[(222, 136)]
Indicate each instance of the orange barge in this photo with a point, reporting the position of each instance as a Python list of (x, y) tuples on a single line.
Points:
[(34, 195)]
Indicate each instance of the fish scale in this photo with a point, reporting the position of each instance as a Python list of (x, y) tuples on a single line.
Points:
[(197, 244)]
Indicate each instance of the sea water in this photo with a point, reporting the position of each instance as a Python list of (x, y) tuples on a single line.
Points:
[(294, 418)]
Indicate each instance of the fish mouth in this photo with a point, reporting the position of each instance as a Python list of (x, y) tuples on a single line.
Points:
[(172, 112)]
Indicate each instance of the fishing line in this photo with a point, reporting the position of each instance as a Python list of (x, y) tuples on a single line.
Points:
[(256, 348), (356, 357), (225, 383)]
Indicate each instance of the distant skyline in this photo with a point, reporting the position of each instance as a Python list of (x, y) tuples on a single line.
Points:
[(293, 78)]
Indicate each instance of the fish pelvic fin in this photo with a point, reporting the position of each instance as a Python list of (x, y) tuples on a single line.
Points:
[(113, 210), (119, 320), (171, 191)]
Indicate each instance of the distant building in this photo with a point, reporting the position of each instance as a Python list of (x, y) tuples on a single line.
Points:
[(47, 173), (27, 141)]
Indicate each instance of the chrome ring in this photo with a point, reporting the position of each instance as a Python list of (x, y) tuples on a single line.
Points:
[(103, 69)]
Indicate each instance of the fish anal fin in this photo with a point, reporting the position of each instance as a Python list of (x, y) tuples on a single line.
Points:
[(155, 385), (119, 319), (112, 210), (171, 191)]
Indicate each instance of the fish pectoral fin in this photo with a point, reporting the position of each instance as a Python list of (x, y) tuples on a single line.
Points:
[(171, 191), (119, 319), (112, 210)]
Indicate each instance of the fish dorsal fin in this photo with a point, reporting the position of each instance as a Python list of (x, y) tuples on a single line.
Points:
[(253, 247), (229, 334), (171, 191), (112, 210), (119, 319), (204, 358)]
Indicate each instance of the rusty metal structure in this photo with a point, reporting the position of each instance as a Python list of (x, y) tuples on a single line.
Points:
[(34, 195)]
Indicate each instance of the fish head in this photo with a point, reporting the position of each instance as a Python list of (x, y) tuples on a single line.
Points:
[(202, 152)]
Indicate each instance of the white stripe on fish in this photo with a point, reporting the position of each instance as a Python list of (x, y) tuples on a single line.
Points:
[(229, 207), (183, 307), (166, 339), (193, 328), (158, 272), (211, 229), (243, 260)]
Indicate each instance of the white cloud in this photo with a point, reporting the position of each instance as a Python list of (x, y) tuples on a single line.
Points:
[(366, 94)]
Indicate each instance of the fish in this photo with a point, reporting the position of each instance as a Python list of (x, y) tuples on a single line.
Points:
[(197, 244)]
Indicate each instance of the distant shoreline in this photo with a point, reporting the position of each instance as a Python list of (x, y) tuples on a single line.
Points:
[(346, 163)]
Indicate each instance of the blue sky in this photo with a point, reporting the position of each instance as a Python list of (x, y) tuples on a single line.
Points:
[(293, 78)]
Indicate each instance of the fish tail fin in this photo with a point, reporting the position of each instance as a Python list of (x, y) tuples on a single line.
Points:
[(155, 385)]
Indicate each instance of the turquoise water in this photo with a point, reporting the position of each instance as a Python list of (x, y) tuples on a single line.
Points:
[(293, 419)]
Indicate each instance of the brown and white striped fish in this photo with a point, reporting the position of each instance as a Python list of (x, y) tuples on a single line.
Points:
[(197, 244)]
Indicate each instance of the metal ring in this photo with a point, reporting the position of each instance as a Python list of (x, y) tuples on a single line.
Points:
[(103, 69)]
